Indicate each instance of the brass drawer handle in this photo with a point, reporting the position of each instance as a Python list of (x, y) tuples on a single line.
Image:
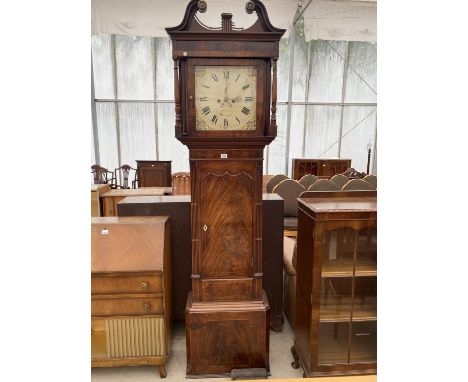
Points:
[(144, 285), (146, 307)]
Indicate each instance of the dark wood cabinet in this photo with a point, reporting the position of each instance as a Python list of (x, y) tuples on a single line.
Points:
[(336, 289), (225, 87), (322, 168), (154, 173)]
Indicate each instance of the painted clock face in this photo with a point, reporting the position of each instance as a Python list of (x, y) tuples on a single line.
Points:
[(225, 97)]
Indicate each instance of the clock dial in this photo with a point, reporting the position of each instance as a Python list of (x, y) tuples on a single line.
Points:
[(225, 97)]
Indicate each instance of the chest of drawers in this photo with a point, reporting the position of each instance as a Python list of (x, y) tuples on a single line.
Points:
[(130, 291)]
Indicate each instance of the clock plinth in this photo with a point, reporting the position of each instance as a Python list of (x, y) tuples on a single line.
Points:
[(222, 336), (225, 90)]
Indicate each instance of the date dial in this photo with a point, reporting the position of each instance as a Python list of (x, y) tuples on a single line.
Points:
[(225, 97)]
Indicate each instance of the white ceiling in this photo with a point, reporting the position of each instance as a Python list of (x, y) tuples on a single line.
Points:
[(352, 20)]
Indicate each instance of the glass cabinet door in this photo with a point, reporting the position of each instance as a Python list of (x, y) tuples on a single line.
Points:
[(348, 297)]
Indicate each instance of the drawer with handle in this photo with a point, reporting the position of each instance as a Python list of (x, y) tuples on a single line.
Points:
[(106, 284), (126, 306)]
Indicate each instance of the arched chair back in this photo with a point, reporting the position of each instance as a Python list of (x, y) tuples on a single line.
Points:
[(372, 180), (122, 176), (289, 190), (357, 185), (340, 180), (273, 182), (308, 180), (101, 175), (181, 183), (323, 185)]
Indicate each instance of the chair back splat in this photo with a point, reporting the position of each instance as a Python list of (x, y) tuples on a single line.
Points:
[(102, 175), (340, 180), (372, 180), (308, 180), (122, 176), (273, 182), (357, 185), (323, 185)]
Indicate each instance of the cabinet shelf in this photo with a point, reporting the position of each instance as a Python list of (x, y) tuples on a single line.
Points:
[(332, 352), (344, 268), (341, 312)]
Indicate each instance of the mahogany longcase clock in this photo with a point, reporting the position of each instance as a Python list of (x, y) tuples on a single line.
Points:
[(225, 101)]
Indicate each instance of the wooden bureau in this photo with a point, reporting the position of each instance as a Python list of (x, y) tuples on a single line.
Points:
[(130, 291)]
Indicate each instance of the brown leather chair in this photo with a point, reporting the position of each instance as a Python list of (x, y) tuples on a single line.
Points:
[(307, 180), (181, 183), (274, 181), (340, 180), (357, 185), (372, 180), (323, 185)]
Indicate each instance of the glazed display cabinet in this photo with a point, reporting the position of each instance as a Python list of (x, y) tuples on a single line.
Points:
[(336, 292), (322, 168)]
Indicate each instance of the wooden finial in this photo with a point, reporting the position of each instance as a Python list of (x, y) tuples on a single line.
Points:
[(226, 22)]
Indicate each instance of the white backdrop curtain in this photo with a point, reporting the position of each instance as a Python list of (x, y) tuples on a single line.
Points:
[(150, 17), (354, 20)]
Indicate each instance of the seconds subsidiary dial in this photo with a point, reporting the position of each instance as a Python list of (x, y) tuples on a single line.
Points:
[(225, 97)]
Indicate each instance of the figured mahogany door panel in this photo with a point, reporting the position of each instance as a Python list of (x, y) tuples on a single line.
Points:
[(227, 289), (226, 219), (219, 343)]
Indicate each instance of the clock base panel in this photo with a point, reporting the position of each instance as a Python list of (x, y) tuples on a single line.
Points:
[(222, 336)]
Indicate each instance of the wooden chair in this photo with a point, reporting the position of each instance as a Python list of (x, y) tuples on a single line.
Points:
[(357, 185), (351, 173), (273, 182), (308, 180), (102, 175), (265, 180), (323, 185), (181, 183), (372, 180), (289, 190), (123, 175), (340, 180)]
